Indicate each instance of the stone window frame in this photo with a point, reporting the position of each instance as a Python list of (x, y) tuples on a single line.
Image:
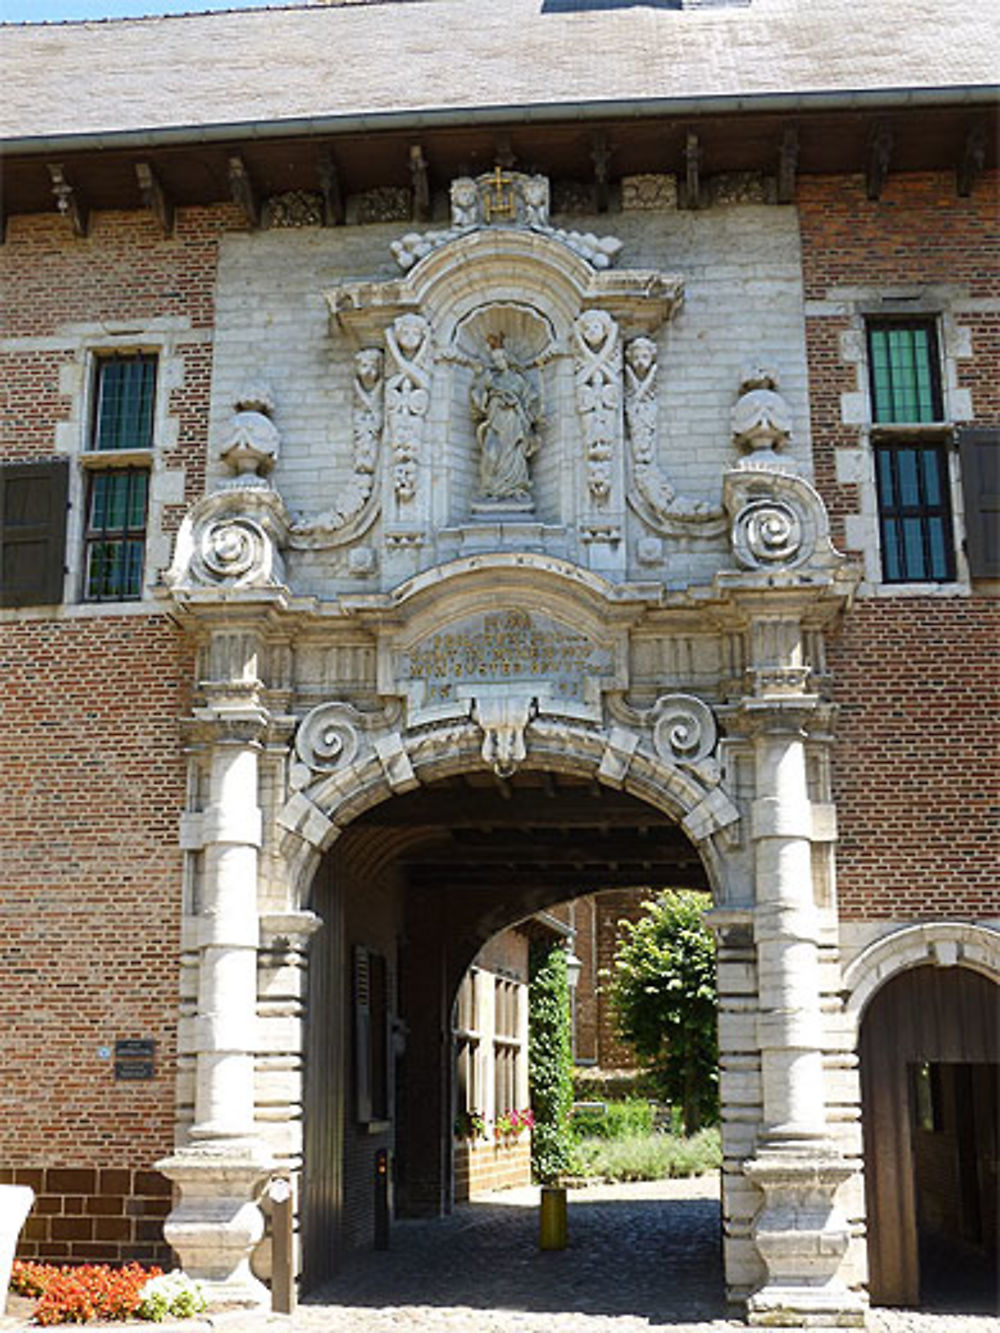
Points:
[(74, 437), (855, 465)]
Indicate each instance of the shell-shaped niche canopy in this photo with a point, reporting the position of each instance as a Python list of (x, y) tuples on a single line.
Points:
[(527, 334)]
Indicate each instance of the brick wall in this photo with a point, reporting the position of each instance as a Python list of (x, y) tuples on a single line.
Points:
[(86, 1215), (90, 752), (480, 1167), (917, 783), (915, 677), (93, 783)]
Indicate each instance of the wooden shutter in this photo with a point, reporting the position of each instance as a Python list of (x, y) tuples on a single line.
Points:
[(362, 1035), (979, 455), (33, 532)]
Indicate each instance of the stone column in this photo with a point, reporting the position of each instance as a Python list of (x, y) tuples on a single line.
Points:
[(800, 1233), (222, 1169), (786, 930)]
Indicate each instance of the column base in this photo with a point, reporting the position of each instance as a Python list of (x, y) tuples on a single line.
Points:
[(217, 1222), (797, 1307), (802, 1238)]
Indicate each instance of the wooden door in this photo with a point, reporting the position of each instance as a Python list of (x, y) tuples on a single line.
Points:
[(922, 1018)]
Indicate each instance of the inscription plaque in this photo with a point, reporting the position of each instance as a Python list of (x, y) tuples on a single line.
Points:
[(510, 647), (135, 1059)]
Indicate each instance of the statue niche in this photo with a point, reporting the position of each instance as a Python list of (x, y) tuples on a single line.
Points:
[(506, 412)]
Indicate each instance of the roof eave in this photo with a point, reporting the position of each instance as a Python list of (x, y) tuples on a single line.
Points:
[(973, 95)]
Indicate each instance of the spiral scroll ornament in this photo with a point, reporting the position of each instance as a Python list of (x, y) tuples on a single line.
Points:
[(767, 532), (326, 739), (233, 548), (684, 730)]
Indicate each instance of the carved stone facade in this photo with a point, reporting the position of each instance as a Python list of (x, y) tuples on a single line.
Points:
[(508, 352), (460, 521)]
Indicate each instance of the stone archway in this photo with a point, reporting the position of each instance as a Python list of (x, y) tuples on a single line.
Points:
[(420, 881)]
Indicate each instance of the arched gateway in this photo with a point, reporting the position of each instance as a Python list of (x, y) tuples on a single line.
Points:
[(508, 581)]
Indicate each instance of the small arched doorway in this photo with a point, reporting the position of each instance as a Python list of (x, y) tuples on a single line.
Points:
[(409, 894), (930, 1068)]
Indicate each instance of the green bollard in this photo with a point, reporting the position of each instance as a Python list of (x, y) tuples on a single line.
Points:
[(552, 1218)]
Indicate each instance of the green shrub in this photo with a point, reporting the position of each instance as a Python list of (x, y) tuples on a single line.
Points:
[(550, 1061), (618, 1120), (648, 1156)]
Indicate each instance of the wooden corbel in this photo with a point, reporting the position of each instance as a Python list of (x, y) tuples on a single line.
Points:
[(333, 197), (973, 160), (421, 211), (879, 157), (68, 200), (244, 195), (600, 155), (788, 163), (690, 192), (503, 152), (155, 197)]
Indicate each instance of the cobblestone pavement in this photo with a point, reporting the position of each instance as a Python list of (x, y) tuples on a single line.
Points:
[(641, 1257)]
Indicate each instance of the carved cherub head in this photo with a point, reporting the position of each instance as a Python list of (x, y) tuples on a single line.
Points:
[(594, 328), (641, 355), (410, 333), (368, 366)]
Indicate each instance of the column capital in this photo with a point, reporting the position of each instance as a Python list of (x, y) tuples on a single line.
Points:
[(241, 722), (781, 715)]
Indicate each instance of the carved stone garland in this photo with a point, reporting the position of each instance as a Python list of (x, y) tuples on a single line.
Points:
[(655, 499), (345, 520)]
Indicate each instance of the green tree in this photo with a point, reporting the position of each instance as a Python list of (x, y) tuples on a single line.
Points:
[(550, 1060), (663, 992)]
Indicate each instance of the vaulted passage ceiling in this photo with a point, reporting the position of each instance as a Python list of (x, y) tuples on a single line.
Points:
[(550, 835)]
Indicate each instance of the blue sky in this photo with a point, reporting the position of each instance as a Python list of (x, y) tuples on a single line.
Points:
[(52, 11)]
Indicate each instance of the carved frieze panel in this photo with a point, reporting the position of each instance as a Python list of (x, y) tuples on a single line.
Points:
[(523, 653)]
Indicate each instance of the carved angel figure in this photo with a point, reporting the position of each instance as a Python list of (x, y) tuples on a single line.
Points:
[(464, 202), (640, 398), (598, 394), (407, 397), (367, 419), (505, 407)]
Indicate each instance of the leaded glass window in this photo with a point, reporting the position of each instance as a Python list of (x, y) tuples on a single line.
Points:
[(905, 374), (116, 534), (914, 513), (123, 404)]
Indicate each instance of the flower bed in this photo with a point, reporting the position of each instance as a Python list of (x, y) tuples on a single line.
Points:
[(78, 1294)]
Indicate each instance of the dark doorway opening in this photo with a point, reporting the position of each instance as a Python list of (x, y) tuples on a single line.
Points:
[(415, 887), (930, 1074), (954, 1115)]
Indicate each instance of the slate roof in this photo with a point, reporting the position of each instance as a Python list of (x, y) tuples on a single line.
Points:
[(414, 57)]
